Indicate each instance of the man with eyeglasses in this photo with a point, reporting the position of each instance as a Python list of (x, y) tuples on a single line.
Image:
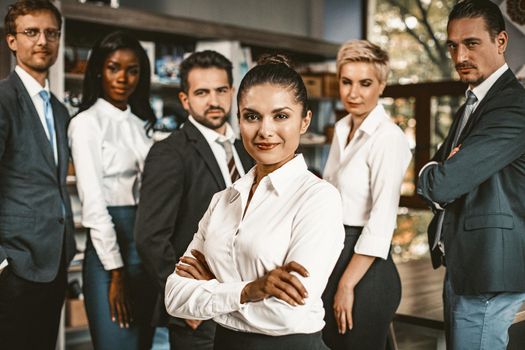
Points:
[(36, 226)]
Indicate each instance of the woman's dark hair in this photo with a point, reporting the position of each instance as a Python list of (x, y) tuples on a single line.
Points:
[(92, 87), (485, 9), (275, 70)]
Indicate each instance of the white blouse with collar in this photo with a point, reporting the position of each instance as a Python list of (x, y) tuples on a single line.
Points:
[(108, 147), (293, 216), (369, 172)]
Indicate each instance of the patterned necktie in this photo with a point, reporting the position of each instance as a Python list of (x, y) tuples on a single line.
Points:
[(230, 159), (469, 108), (50, 122)]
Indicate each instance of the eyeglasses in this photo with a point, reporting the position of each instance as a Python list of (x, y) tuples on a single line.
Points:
[(34, 34)]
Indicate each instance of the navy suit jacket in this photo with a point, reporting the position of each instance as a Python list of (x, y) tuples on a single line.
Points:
[(483, 189), (180, 177), (35, 213)]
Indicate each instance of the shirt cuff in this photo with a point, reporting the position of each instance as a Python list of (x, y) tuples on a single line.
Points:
[(436, 205), (372, 245), (226, 296), (111, 261), (3, 265), (426, 166)]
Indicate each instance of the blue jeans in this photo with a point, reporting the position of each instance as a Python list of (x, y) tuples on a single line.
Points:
[(106, 334), (479, 321)]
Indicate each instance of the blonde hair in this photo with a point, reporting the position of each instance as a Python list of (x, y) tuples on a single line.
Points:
[(364, 51)]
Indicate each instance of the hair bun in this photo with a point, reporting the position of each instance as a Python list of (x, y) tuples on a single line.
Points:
[(274, 59)]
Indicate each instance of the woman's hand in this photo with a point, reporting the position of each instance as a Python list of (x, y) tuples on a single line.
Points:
[(196, 268), (343, 304), (119, 305), (279, 283)]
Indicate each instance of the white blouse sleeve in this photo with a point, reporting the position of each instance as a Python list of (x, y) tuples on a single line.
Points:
[(316, 241), (85, 138), (201, 300), (388, 161)]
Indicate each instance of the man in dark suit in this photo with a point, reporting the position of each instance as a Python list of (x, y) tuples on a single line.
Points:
[(476, 185), (36, 226), (180, 177)]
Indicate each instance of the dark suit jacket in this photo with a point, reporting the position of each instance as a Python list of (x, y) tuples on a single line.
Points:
[(35, 212), (483, 189), (180, 177)]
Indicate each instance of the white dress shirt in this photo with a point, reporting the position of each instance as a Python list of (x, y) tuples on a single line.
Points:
[(108, 147), (369, 172), (213, 138), (33, 88), (293, 216)]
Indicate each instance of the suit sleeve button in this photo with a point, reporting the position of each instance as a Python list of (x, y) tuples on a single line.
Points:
[(61, 220)]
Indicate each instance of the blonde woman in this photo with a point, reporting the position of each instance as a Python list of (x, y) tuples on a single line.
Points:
[(368, 158)]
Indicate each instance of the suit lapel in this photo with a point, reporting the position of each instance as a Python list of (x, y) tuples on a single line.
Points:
[(204, 150), (246, 160), (496, 87), (28, 108), (61, 138), (451, 133)]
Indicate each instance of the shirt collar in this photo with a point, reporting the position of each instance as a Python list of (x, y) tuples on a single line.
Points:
[(211, 135), (280, 180), (372, 121), (112, 111), (482, 89), (32, 86)]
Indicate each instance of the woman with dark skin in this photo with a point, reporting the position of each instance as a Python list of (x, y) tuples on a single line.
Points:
[(267, 244), (109, 142)]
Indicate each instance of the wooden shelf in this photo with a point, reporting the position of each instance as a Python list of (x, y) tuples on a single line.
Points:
[(197, 29)]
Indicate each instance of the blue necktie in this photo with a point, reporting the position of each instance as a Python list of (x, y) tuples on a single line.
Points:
[(50, 122)]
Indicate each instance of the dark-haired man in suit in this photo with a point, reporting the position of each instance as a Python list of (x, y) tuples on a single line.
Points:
[(36, 226), (181, 175), (476, 186)]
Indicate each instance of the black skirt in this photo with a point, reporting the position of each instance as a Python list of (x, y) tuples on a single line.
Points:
[(227, 339), (376, 298)]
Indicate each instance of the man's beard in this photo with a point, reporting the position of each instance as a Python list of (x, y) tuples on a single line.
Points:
[(202, 119)]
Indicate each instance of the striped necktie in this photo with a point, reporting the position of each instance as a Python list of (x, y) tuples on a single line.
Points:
[(230, 159), (50, 122)]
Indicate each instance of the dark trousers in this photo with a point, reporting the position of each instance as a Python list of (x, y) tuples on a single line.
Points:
[(182, 337), (226, 339), (30, 311), (376, 298), (105, 333)]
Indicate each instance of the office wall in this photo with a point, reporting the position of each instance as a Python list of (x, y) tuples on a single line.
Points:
[(515, 54), (284, 16)]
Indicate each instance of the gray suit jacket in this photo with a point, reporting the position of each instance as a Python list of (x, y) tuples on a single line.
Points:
[(483, 190), (35, 213)]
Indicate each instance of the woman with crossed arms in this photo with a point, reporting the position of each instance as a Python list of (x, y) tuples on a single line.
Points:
[(266, 246)]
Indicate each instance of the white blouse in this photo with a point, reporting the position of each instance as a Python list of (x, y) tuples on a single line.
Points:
[(293, 216), (369, 172), (108, 147)]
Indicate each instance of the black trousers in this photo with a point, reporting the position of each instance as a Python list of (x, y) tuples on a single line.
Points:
[(376, 298), (30, 311), (226, 339), (182, 337)]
